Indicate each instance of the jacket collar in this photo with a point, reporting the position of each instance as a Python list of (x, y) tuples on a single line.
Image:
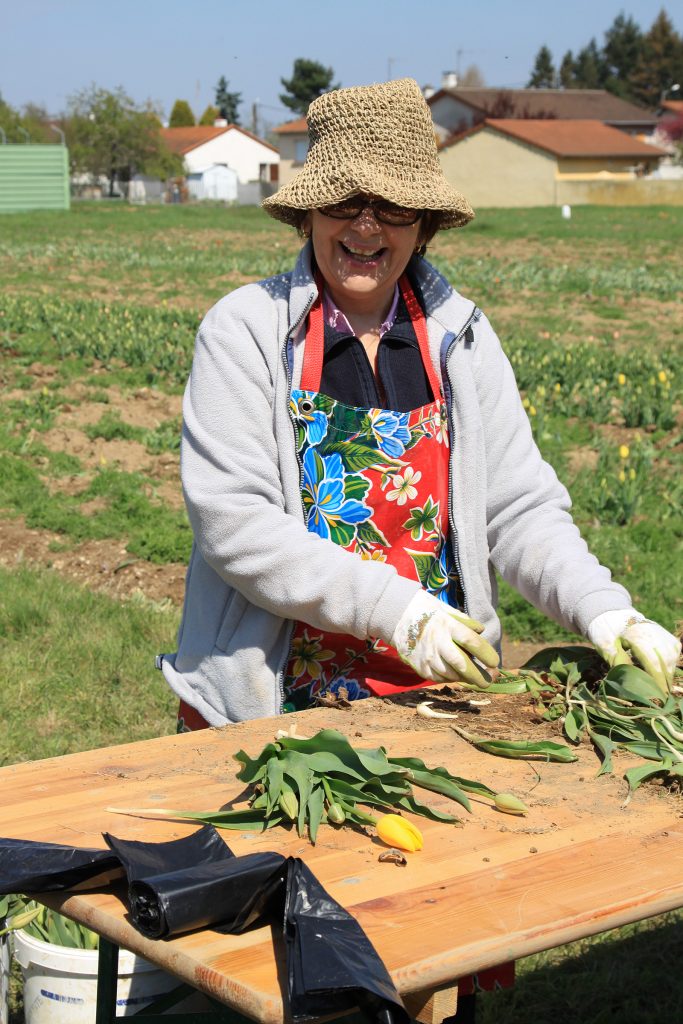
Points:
[(442, 303)]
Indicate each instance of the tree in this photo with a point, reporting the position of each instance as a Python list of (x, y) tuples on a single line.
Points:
[(309, 80), (227, 102), (543, 75), (32, 125), (181, 115), (660, 63), (472, 78), (589, 68), (621, 54), (109, 136), (566, 72), (209, 115)]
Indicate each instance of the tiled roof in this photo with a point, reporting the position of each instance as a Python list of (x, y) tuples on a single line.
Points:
[(298, 126), (673, 106), (574, 138), (596, 104), (182, 140)]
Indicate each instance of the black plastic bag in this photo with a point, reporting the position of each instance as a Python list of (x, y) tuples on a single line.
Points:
[(27, 866), (197, 882), (331, 964)]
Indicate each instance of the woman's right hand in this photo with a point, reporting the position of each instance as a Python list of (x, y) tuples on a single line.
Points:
[(437, 641)]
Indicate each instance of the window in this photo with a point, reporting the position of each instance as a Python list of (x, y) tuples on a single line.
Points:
[(300, 150)]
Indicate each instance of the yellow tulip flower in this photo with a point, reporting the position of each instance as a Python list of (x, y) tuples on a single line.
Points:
[(399, 832)]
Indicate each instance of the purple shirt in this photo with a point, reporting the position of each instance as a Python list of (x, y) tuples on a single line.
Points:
[(338, 321)]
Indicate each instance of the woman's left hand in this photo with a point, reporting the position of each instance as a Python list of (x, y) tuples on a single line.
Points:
[(625, 636)]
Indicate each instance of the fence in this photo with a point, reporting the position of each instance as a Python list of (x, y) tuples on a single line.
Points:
[(33, 177)]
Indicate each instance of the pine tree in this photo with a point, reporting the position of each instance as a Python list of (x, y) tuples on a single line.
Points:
[(181, 115), (566, 73), (309, 80), (621, 53), (589, 67), (660, 64), (543, 75), (227, 102)]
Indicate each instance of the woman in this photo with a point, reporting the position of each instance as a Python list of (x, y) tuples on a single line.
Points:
[(356, 459)]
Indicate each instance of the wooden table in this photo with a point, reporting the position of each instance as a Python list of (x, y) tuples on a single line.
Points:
[(498, 888)]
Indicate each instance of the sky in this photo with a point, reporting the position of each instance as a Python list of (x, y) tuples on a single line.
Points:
[(163, 50)]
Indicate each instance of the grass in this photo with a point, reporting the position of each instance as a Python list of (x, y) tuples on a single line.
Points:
[(624, 975), (110, 296), (78, 667)]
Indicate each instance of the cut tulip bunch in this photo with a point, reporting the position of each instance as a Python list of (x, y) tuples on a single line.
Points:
[(39, 921), (324, 779), (625, 709)]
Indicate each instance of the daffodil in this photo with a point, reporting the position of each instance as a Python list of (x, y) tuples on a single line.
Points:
[(621, 379), (624, 451), (396, 831), (661, 376)]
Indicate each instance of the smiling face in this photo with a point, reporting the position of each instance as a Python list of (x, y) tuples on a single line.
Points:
[(361, 259)]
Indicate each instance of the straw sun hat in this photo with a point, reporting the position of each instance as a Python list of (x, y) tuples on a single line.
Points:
[(375, 139)]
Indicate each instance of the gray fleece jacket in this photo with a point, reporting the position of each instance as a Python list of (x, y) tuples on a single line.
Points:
[(255, 568)]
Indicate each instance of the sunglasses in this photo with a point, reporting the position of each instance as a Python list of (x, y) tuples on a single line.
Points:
[(384, 211)]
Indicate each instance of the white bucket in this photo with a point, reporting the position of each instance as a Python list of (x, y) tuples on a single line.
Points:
[(60, 984), (4, 979)]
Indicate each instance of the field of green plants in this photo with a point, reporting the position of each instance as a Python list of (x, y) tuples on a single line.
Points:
[(98, 310)]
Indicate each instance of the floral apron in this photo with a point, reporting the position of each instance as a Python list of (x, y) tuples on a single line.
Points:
[(375, 482)]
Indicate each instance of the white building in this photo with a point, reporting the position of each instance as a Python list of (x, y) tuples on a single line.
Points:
[(254, 162), (216, 182)]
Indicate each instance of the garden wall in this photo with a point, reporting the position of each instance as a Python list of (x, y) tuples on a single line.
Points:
[(636, 192)]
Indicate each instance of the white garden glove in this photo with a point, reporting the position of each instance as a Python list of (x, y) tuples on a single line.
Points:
[(435, 641), (625, 636)]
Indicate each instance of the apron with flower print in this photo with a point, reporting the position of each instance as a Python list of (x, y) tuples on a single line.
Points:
[(375, 482)]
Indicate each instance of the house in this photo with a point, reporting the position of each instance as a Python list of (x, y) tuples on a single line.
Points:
[(669, 136), (672, 109), (454, 110), (293, 143), (550, 162), (203, 147)]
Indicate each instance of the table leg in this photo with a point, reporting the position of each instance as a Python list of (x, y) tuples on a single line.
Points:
[(107, 976), (433, 1007)]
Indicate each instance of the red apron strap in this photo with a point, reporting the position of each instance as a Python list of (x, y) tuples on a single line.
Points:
[(419, 323), (314, 349)]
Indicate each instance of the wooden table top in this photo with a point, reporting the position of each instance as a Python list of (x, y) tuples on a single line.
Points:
[(496, 889)]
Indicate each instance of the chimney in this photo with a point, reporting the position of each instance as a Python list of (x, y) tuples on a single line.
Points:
[(220, 122), (449, 80), (428, 91)]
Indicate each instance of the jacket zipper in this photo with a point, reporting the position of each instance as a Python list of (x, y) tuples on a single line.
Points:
[(451, 423), (281, 671)]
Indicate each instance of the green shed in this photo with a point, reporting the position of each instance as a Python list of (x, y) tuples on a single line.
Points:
[(34, 177)]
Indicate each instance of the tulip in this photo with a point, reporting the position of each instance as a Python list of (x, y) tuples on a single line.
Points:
[(336, 814), (288, 803), (510, 804), (397, 831)]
